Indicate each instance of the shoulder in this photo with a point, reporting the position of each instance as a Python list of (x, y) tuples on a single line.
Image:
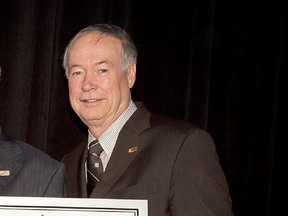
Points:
[(171, 123), (75, 153), (181, 134), (172, 130), (144, 120), (34, 155), (143, 116)]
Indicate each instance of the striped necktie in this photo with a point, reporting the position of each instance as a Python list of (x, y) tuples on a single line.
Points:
[(94, 165)]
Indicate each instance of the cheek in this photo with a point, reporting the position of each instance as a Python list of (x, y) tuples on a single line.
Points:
[(74, 93), (109, 85), (73, 87)]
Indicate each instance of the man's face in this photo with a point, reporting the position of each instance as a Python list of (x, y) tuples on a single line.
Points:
[(99, 88)]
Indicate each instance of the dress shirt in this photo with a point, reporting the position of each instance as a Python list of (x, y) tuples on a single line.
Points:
[(109, 137)]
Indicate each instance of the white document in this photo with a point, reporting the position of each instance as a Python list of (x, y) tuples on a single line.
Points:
[(46, 206)]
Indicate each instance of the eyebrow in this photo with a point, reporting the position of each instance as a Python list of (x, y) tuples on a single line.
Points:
[(97, 63), (102, 62)]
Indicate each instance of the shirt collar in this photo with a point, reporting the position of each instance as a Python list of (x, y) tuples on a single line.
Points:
[(109, 137)]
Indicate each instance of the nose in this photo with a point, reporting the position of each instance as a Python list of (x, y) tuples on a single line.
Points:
[(89, 82)]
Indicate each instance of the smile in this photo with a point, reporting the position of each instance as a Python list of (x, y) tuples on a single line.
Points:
[(90, 101)]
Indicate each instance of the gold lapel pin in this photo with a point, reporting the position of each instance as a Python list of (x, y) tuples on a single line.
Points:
[(133, 149), (4, 172)]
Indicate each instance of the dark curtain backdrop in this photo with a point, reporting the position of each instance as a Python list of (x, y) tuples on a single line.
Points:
[(219, 64)]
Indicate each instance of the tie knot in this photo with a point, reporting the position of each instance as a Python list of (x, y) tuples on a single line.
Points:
[(94, 143), (95, 147)]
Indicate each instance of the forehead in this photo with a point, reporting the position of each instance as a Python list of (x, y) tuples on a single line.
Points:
[(97, 40)]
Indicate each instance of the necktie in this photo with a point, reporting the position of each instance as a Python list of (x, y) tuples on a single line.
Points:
[(94, 165)]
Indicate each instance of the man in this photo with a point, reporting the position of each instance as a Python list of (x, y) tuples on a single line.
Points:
[(26, 171), (169, 162)]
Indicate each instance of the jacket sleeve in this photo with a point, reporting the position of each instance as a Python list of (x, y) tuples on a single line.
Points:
[(197, 174), (57, 184)]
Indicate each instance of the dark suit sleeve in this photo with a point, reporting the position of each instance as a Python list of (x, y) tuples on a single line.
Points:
[(197, 174), (57, 186), (41, 175)]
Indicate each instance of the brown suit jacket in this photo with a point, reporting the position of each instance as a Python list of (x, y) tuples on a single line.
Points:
[(174, 165)]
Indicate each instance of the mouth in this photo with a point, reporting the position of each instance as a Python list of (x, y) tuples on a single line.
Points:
[(90, 101)]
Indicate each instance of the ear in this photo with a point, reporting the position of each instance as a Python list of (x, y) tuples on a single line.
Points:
[(131, 75)]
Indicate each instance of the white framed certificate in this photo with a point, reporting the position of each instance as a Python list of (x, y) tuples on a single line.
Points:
[(48, 206)]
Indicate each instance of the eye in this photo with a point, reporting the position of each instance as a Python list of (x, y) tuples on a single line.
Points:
[(74, 73), (101, 71)]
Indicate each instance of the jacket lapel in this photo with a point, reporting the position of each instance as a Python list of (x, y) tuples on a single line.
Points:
[(75, 170), (11, 160), (128, 146)]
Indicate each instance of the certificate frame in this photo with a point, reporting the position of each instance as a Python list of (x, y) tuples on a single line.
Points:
[(49, 206)]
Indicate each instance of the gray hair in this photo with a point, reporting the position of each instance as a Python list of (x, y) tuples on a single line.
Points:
[(128, 46)]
